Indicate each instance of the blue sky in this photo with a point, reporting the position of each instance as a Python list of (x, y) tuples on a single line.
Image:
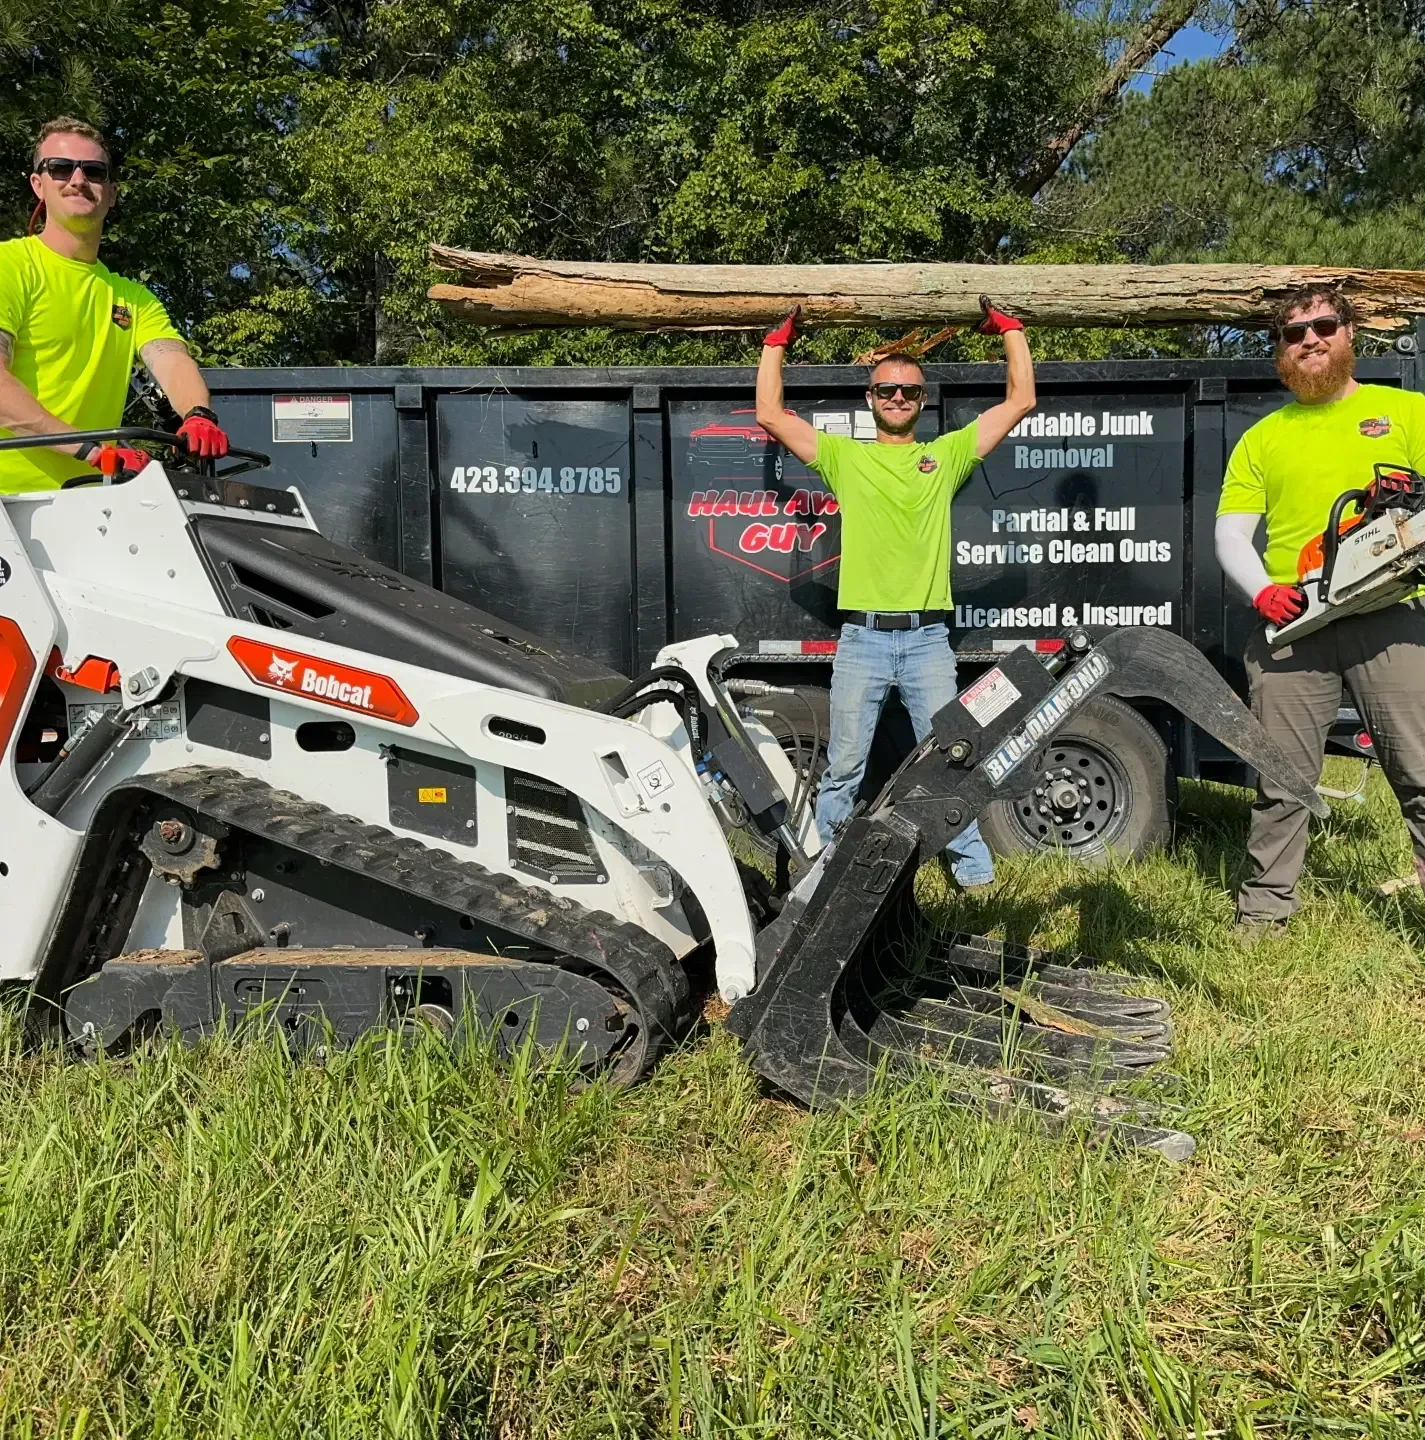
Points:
[(1192, 42)]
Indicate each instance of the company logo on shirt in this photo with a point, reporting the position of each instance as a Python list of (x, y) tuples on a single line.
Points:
[(121, 316), (928, 465), (1374, 429)]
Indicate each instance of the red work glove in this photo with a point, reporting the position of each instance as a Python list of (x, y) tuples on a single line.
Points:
[(1278, 604), (786, 332), (203, 435), (129, 460), (996, 322)]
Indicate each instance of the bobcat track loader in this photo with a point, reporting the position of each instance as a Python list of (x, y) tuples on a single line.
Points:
[(247, 772)]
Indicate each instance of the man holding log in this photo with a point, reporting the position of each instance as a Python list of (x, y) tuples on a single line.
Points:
[(1290, 468), (894, 497)]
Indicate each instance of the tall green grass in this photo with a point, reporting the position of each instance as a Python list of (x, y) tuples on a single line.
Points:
[(220, 1242)]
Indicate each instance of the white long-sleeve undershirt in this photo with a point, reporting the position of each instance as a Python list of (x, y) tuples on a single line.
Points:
[(1238, 556)]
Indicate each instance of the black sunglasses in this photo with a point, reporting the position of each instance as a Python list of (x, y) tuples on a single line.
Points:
[(886, 390), (95, 171), (1324, 325)]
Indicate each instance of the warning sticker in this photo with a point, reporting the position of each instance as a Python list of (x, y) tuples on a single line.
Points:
[(990, 696), (300, 418), (158, 722), (655, 778), (431, 794)]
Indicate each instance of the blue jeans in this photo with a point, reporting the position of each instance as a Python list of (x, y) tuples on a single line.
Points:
[(921, 665)]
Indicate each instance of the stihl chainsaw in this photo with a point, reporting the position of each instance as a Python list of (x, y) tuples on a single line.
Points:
[(1363, 561)]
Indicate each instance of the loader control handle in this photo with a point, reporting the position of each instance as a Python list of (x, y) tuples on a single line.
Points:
[(127, 434)]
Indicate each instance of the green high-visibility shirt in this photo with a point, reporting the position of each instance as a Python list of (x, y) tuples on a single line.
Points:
[(77, 329), (1292, 465), (895, 516)]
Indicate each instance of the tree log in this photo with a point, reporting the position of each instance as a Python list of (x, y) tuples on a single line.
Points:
[(520, 292)]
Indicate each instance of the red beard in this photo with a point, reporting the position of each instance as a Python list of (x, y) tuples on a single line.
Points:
[(1313, 386)]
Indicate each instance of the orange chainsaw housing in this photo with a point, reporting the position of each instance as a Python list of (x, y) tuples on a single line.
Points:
[(1313, 556)]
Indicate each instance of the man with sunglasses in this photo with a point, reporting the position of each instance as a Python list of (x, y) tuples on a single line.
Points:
[(894, 589), (71, 330), (1290, 468)]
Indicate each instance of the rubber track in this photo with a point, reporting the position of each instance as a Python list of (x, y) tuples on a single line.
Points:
[(642, 965)]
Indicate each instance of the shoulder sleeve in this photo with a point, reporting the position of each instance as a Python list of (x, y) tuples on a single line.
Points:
[(151, 320), (830, 462), (14, 288), (956, 452), (1244, 492)]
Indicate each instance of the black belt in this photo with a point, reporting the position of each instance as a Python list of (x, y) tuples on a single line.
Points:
[(895, 620)]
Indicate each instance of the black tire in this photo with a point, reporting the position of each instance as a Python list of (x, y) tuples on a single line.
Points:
[(1128, 793)]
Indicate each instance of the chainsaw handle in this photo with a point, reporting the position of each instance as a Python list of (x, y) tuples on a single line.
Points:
[(1331, 539)]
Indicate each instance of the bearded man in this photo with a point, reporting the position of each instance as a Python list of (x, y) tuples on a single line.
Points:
[(894, 586), (1290, 468)]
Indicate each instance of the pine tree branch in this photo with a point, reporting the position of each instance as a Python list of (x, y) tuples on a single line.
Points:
[(1160, 27), (1153, 35)]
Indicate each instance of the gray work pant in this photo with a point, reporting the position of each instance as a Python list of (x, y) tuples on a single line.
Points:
[(1296, 691)]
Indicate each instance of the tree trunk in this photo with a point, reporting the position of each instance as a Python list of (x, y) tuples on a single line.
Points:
[(514, 291)]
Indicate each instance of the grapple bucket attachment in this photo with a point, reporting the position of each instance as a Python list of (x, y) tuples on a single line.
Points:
[(852, 976)]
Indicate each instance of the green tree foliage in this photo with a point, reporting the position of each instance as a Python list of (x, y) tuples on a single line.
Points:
[(285, 172), (193, 96), (1303, 143), (648, 129)]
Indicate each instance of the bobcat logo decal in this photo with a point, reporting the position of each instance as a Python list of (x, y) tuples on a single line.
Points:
[(328, 681)]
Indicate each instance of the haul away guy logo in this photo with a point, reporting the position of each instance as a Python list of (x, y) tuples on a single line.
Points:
[(346, 686), (122, 316), (1375, 427)]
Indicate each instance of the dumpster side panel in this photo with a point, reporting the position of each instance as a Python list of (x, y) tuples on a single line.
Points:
[(342, 456), (1076, 519), (534, 519)]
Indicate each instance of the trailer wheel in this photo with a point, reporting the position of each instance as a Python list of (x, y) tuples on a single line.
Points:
[(1105, 788)]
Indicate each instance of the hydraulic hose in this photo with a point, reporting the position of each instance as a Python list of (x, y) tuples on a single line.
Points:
[(797, 797), (649, 677), (811, 759), (664, 695)]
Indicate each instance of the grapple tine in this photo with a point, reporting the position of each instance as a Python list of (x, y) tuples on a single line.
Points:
[(980, 987), (894, 1017), (1029, 1010), (1020, 964)]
